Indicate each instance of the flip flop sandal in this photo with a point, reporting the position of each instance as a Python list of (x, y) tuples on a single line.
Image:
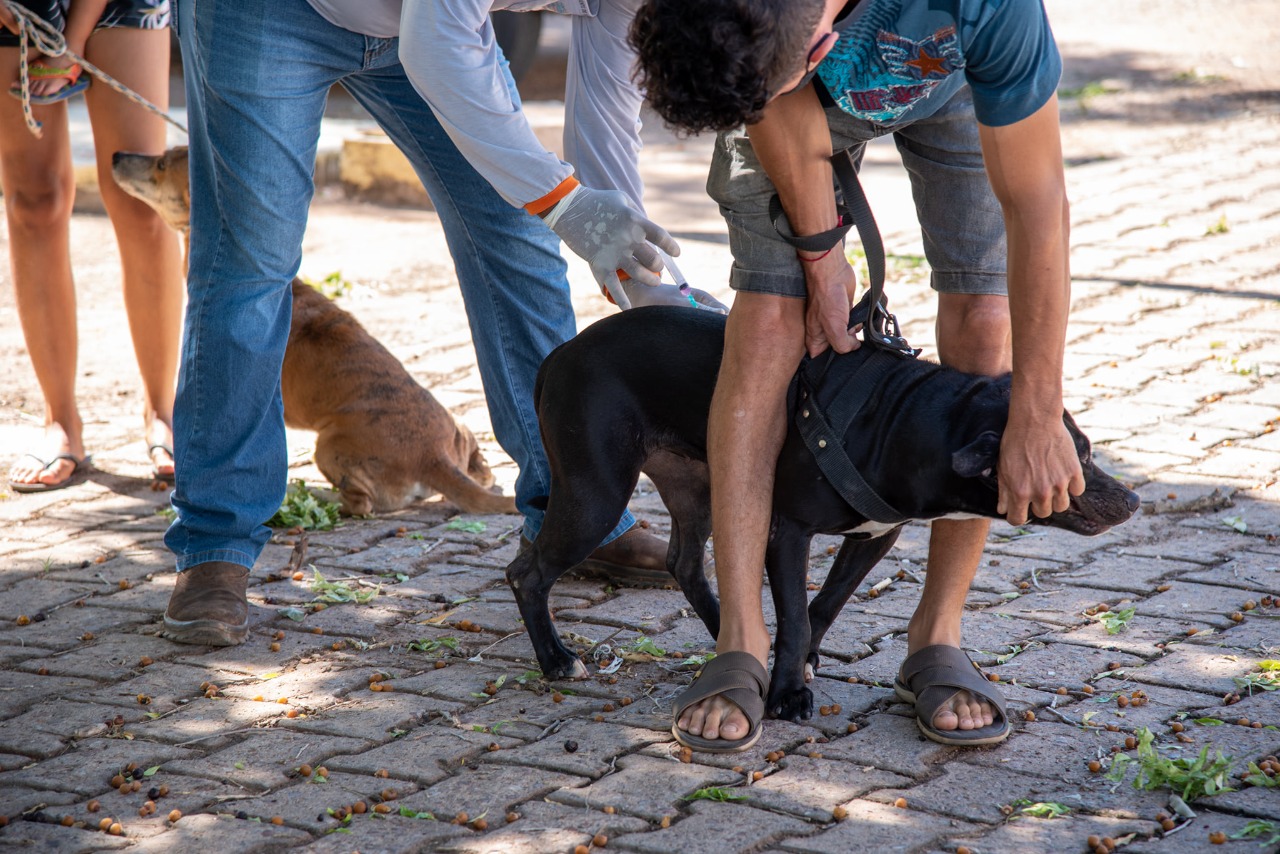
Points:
[(741, 680), (156, 474), (78, 474), (930, 677), (38, 70)]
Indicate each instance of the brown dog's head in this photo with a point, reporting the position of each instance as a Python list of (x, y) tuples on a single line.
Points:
[(160, 181)]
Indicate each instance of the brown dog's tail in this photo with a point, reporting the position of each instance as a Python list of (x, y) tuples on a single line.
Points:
[(454, 484)]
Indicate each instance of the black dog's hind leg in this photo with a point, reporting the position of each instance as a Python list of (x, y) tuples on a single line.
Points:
[(786, 559), (685, 487), (571, 530), (855, 560)]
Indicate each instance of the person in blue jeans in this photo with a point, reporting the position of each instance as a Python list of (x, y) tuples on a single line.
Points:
[(430, 73)]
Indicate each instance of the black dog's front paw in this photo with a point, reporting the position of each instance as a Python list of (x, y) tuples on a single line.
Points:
[(790, 704), (570, 667)]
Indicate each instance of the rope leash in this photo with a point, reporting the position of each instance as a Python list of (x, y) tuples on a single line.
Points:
[(35, 30)]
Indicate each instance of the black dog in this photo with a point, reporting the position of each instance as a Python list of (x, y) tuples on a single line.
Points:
[(632, 393)]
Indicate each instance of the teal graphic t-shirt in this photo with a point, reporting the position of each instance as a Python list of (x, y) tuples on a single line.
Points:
[(900, 60)]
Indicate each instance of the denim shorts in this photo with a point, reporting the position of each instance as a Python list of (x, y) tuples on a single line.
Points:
[(132, 14), (960, 218)]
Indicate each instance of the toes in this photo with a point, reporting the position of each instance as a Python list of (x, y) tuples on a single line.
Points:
[(946, 719)]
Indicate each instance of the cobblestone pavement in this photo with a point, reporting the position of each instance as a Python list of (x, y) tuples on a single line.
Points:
[(1173, 350)]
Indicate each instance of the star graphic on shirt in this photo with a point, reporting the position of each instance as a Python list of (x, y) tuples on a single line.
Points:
[(928, 64)]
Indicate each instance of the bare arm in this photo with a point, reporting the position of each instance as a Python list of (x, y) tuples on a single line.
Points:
[(1038, 466), (82, 17), (793, 143)]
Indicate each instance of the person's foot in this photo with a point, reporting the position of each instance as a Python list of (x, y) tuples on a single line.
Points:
[(635, 559), (44, 86), (962, 710), (209, 605), (58, 445), (716, 717), (159, 438)]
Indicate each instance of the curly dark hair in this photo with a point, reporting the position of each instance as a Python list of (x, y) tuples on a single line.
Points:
[(714, 64)]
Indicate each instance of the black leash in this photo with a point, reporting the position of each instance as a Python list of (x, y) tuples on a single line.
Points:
[(825, 409)]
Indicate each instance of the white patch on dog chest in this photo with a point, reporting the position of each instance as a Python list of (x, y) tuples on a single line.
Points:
[(875, 529)]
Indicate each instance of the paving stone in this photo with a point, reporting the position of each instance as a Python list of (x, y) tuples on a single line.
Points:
[(642, 610), (423, 754), (1257, 573), (188, 795), (38, 595), (461, 680), (1191, 545), (1139, 638), (378, 718), (1199, 668), (967, 794), (168, 685), (1043, 543), (1051, 666), (1063, 606), (733, 826), (1126, 573), (1260, 706), (88, 768), (112, 657), (1001, 573), (1045, 749), (1061, 834), (53, 837), (645, 786), (222, 833), (254, 656), (777, 736), (1250, 801), (1195, 837), (879, 827), (44, 729), (267, 758), (23, 690), (595, 747), (891, 743), (812, 788), (391, 834), (1162, 706), (1202, 602), (546, 827), (490, 789), (63, 628), (306, 805), (15, 800)]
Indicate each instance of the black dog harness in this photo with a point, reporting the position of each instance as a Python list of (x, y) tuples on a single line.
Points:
[(832, 387)]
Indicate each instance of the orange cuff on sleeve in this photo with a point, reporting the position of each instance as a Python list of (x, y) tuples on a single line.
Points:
[(540, 206)]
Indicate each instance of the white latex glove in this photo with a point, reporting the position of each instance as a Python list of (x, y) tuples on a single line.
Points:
[(638, 295), (602, 227)]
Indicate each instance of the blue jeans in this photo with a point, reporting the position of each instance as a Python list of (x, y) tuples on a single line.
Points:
[(257, 76)]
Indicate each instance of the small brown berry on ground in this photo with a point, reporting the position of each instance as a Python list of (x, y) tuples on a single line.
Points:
[(480, 824), (298, 576), (1130, 743), (557, 697), (851, 728), (1112, 728), (608, 707), (1218, 837), (599, 840), (382, 772), (145, 661), (1237, 617), (277, 820), (1176, 727), (900, 803), (67, 821), (381, 809), (1242, 721), (1062, 691), (390, 794), (322, 771), (279, 635), (117, 781), (839, 813), (105, 823), (598, 718), (626, 701), (962, 850), (994, 677), (304, 770), (835, 708), (1122, 701), (292, 713), (1095, 766), (1088, 689), (23, 620), (359, 807), (174, 815), (461, 818), (610, 810), (1029, 715), (135, 785), (666, 822), (1250, 605), (1108, 843), (581, 849), (1168, 824), (1093, 841), (513, 816), (93, 806), (116, 829), (493, 745), (756, 776), (164, 790)]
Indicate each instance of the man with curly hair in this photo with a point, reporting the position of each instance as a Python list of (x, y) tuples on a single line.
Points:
[(968, 90)]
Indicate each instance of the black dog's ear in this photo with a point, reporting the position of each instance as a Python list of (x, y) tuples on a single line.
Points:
[(979, 457)]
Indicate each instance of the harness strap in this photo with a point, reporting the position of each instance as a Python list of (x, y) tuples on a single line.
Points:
[(827, 443)]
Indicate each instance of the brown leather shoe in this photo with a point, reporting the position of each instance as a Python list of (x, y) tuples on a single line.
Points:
[(209, 606), (635, 559)]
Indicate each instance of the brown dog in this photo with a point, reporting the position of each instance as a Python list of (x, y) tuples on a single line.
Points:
[(383, 440)]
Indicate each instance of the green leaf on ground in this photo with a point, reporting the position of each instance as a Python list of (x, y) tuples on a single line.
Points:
[(301, 509), (339, 592), (1041, 809), (409, 812), (716, 793), (430, 645), (1258, 828), (1115, 621), (471, 526), (1200, 777)]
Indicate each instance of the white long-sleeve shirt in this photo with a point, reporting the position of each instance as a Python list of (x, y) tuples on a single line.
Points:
[(449, 52)]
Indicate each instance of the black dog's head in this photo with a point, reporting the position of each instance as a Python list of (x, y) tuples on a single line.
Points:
[(1105, 502)]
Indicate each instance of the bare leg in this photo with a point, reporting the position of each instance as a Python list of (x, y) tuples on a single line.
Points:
[(39, 188), (150, 257), (764, 341), (973, 336)]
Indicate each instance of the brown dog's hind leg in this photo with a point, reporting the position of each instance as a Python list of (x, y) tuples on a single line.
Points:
[(454, 484)]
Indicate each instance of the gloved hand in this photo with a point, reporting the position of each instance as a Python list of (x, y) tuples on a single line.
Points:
[(637, 294), (602, 227)]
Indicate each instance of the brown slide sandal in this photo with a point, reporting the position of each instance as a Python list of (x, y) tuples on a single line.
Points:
[(931, 676), (742, 681)]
